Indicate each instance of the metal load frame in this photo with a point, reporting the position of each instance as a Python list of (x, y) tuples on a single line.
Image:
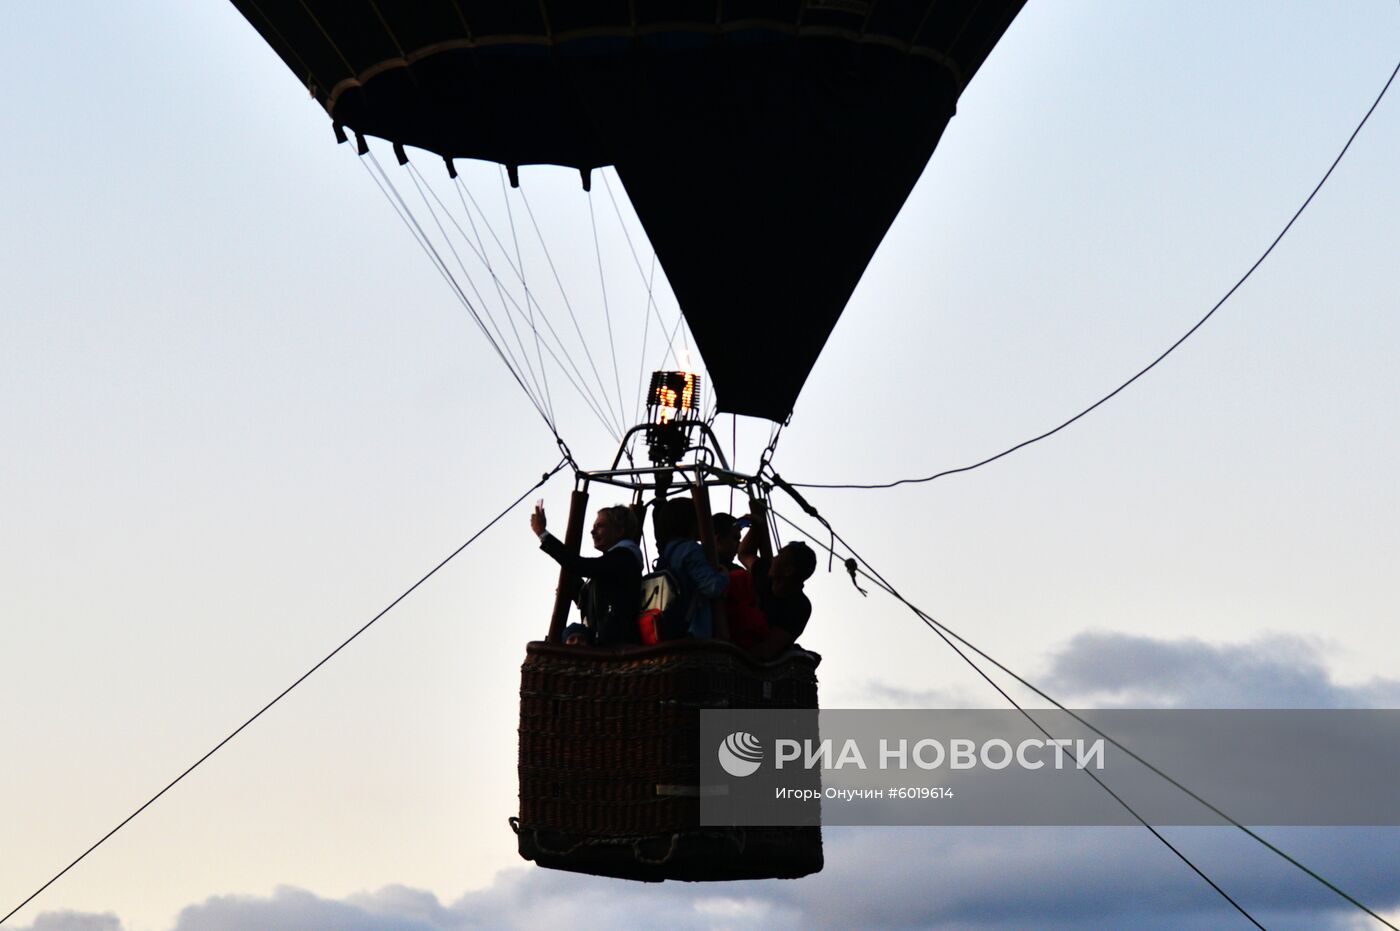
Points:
[(707, 468)]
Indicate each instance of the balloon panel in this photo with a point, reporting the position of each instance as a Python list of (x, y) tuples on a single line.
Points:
[(766, 146)]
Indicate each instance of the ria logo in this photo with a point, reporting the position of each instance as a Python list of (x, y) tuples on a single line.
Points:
[(740, 754)]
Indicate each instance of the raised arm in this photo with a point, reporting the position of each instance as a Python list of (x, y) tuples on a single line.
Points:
[(586, 566), (709, 581), (755, 541)]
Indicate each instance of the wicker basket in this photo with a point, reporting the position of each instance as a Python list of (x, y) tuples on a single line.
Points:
[(609, 743)]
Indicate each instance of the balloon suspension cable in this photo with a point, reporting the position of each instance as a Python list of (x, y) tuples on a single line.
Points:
[(568, 455), (523, 373), (400, 206), (766, 457)]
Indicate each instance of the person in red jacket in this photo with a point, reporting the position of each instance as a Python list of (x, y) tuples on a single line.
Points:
[(778, 594)]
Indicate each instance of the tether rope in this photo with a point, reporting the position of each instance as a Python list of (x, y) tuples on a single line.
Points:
[(945, 632), (1103, 785), (302, 678), (1170, 349)]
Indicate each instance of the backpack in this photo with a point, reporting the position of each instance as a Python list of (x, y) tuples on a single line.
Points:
[(664, 614)]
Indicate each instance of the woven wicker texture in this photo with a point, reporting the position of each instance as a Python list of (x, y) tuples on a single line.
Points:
[(601, 730)]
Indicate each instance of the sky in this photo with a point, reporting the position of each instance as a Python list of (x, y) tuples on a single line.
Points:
[(241, 414)]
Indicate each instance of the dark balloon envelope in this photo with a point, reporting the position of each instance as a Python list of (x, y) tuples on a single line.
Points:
[(766, 146)]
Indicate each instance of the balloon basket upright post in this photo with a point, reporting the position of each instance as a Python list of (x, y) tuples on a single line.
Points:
[(609, 736), (568, 582)]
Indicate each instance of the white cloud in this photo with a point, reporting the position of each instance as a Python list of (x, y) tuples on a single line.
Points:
[(902, 878), (76, 921), (1104, 670), (965, 879), (1107, 669)]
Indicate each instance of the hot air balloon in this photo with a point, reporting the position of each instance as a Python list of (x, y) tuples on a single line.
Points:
[(766, 147)]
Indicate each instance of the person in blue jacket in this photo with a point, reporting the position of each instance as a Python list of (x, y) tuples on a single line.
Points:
[(680, 553)]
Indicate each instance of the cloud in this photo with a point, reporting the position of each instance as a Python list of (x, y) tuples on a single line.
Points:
[(76, 921), (959, 879), (296, 908), (962, 879), (883, 695), (1110, 669)]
